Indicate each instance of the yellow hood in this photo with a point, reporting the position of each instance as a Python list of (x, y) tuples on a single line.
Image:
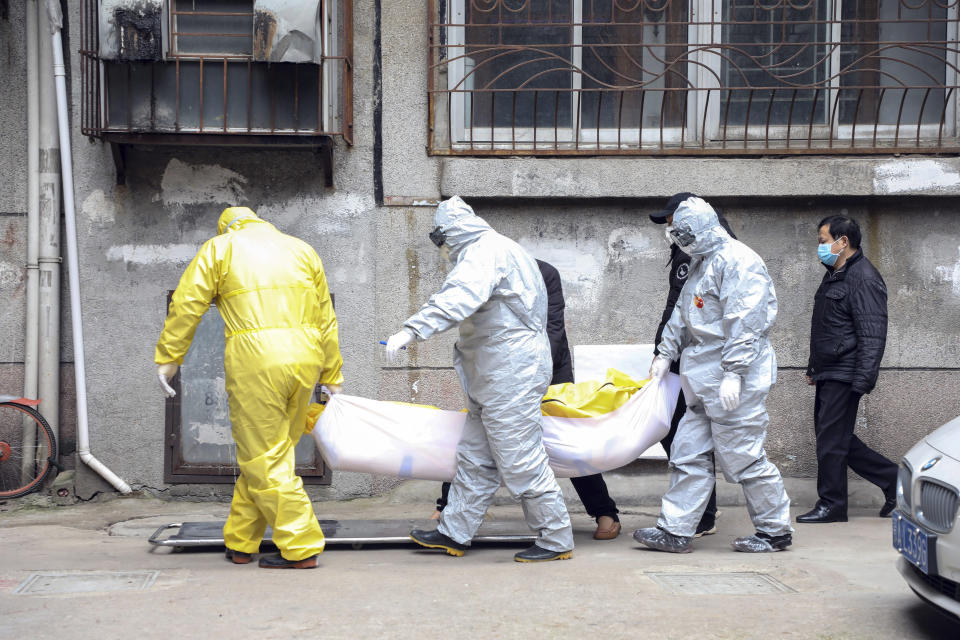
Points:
[(231, 215)]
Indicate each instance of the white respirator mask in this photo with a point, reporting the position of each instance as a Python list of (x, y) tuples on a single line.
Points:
[(668, 233)]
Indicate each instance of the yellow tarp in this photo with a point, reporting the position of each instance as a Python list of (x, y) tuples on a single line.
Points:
[(592, 398)]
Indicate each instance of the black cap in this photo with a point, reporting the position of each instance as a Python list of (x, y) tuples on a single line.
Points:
[(672, 204)]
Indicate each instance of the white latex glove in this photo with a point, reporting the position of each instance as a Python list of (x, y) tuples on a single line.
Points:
[(396, 342), (659, 367), (165, 372), (730, 391), (333, 389)]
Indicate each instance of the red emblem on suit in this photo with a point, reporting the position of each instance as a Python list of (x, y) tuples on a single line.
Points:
[(697, 300)]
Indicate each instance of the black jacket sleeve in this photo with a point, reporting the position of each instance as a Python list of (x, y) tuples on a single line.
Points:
[(556, 329), (868, 306), (679, 267)]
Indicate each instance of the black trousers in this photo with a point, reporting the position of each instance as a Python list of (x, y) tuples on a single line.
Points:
[(592, 491), (710, 513), (834, 418)]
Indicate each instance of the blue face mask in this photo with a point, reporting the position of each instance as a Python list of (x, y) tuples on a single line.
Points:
[(826, 256)]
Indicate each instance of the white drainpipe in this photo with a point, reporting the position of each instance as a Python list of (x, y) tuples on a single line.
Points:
[(73, 263), (31, 340), (49, 228)]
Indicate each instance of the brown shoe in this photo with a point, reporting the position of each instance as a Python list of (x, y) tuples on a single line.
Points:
[(277, 561), (239, 557), (607, 528)]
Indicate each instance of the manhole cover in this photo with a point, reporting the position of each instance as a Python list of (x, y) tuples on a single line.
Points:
[(86, 581), (748, 583)]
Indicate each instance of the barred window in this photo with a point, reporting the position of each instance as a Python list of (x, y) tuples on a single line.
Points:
[(242, 67), (693, 76)]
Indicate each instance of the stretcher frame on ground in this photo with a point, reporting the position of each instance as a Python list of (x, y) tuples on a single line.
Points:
[(353, 533)]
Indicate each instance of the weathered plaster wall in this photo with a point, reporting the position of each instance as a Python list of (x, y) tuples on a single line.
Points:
[(587, 216), (612, 260)]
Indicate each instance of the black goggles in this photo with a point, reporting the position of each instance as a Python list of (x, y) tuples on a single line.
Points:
[(683, 236), (436, 237)]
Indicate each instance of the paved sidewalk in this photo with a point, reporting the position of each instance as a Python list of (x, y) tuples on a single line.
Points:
[(837, 581)]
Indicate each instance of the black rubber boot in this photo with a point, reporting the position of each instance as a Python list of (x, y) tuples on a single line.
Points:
[(433, 539), (277, 561), (239, 557), (536, 553)]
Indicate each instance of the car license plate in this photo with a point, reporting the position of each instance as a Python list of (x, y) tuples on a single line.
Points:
[(915, 544)]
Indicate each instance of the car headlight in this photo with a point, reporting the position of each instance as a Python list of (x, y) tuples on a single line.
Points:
[(904, 477)]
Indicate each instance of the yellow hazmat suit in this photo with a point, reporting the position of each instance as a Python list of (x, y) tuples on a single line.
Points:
[(281, 338)]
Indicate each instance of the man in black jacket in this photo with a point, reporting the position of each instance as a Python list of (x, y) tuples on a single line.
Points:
[(592, 490), (847, 337)]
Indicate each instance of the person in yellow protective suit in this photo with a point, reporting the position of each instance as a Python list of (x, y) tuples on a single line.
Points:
[(281, 338)]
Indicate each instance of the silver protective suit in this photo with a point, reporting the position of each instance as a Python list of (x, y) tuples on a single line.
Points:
[(495, 293), (721, 324)]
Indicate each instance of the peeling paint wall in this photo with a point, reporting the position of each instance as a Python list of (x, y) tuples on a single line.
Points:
[(587, 216)]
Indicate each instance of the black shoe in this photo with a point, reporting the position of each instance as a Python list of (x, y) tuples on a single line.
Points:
[(239, 557), (707, 526), (888, 506), (433, 539), (823, 513), (277, 561), (536, 553)]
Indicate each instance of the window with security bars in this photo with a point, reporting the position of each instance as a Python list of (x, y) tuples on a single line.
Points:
[(275, 67), (693, 76)]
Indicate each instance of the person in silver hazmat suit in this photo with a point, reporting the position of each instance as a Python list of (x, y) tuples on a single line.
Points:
[(496, 295), (721, 324)]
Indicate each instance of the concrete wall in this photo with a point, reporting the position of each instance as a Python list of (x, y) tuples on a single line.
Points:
[(586, 216)]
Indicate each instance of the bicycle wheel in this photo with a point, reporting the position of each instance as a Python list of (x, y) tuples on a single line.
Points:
[(16, 478)]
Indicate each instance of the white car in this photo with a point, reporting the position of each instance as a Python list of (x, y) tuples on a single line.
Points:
[(925, 530)]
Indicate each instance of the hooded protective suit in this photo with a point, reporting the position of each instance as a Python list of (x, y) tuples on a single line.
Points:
[(495, 293), (281, 337), (721, 324)]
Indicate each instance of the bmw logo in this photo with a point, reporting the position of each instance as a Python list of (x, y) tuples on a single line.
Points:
[(930, 463)]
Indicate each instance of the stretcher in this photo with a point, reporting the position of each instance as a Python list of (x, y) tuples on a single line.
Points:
[(340, 533)]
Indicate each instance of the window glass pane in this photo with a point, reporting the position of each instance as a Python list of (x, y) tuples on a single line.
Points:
[(517, 64), (773, 54), (222, 27), (894, 54), (634, 57), (205, 436)]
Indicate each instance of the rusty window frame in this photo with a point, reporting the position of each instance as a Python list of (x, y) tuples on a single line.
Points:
[(705, 125)]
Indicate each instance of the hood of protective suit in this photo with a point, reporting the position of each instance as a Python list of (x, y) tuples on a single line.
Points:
[(698, 218), (232, 218), (459, 224)]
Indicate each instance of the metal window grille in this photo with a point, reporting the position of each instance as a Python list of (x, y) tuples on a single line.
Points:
[(716, 77), (209, 82)]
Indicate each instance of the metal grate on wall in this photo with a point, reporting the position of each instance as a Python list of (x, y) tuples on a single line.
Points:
[(200, 68), (554, 77)]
